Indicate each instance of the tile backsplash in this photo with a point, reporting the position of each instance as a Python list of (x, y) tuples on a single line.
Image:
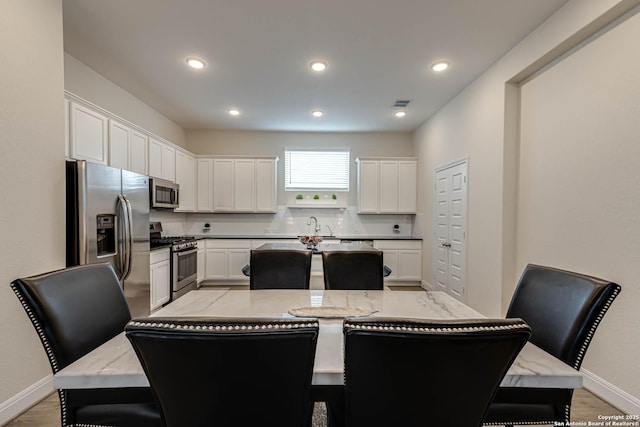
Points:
[(286, 221)]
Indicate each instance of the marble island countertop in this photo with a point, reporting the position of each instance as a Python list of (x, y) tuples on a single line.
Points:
[(319, 248), (115, 364)]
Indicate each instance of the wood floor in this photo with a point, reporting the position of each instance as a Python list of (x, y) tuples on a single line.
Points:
[(585, 407)]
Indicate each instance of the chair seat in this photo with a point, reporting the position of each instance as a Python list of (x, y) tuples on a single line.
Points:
[(509, 406), (121, 415)]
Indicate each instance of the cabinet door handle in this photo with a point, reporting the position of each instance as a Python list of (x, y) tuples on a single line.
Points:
[(446, 244)]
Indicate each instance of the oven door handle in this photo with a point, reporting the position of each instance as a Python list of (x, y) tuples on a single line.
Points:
[(185, 253)]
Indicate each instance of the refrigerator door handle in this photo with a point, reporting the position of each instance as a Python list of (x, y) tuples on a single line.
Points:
[(128, 255), (123, 237)]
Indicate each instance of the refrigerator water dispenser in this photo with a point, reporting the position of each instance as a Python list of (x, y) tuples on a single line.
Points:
[(106, 235)]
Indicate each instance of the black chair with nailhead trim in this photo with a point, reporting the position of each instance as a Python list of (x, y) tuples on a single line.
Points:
[(228, 372), (563, 309), (279, 269), (410, 372), (75, 310)]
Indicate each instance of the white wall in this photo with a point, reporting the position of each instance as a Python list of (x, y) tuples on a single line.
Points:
[(32, 173), (479, 123), (93, 87), (579, 186)]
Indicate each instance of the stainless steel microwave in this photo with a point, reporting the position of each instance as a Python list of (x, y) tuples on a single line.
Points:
[(164, 194)]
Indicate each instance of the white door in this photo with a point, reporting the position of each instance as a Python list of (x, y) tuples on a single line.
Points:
[(450, 228)]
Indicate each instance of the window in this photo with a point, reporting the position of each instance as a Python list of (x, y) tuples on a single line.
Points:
[(316, 169)]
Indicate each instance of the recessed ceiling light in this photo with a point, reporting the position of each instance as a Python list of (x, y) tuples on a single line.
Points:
[(440, 66), (318, 66), (195, 63), (400, 113), (233, 111), (317, 113)]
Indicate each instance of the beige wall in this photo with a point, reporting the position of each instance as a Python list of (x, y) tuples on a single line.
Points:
[(93, 87), (579, 186), (32, 173), (361, 144), (482, 123)]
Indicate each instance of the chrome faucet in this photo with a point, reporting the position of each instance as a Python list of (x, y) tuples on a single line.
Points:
[(330, 230), (317, 227)]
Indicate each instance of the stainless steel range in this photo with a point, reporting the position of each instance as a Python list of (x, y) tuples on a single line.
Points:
[(184, 259)]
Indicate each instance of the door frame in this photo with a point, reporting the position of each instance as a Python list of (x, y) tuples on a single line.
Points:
[(458, 162)]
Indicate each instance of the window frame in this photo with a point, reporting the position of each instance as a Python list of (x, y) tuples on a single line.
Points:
[(327, 185)]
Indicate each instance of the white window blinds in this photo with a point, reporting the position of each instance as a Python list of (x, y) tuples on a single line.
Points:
[(316, 169)]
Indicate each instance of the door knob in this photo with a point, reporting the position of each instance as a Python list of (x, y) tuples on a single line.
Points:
[(446, 244)]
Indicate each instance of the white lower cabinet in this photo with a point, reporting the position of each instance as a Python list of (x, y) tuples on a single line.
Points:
[(160, 278), (224, 259), (404, 257), (201, 262)]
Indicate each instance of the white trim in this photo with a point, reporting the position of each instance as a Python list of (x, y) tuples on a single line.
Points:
[(460, 161), (426, 285), (611, 394), (19, 403)]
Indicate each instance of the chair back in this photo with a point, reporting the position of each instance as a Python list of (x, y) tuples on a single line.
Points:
[(74, 310), (228, 372), (409, 372), (280, 269), (358, 269), (562, 308)]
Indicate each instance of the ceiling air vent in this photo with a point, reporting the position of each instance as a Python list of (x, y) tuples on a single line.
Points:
[(402, 103)]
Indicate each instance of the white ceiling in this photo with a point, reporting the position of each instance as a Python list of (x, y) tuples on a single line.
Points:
[(258, 54)]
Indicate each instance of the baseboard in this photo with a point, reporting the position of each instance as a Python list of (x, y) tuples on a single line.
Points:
[(24, 400), (611, 394)]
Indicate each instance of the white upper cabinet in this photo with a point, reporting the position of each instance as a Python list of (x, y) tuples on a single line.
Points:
[(88, 134), (408, 186), (242, 185), (186, 179), (205, 185), (387, 186), (266, 189), (119, 143), (368, 191), (168, 162), (388, 179), (223, 185), (138, 152), (162, 160)]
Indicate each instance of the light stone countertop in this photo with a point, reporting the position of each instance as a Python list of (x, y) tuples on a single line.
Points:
[(115, 364)]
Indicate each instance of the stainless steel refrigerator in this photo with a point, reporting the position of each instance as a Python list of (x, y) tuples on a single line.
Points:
[(108, 221)]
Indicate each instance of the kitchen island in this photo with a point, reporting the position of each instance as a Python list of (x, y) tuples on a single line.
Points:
[(318, 249), (317, 272)]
